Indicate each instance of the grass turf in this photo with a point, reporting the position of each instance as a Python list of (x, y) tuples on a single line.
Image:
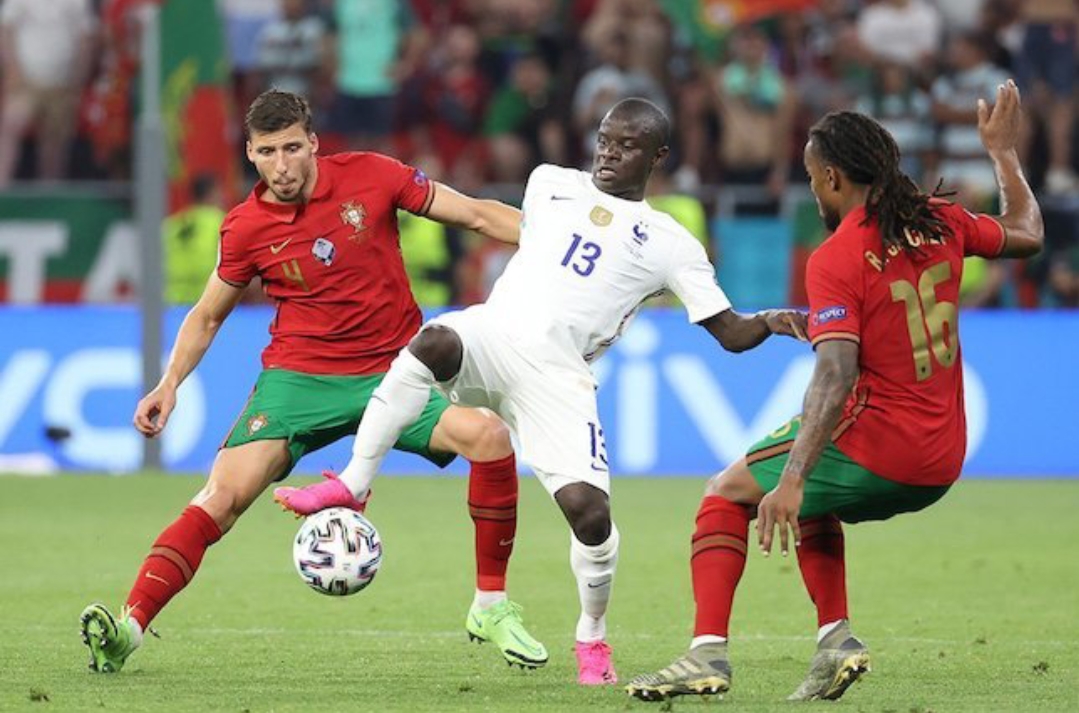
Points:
[(972, 605)]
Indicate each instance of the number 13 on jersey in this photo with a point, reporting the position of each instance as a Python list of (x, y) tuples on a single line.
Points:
[(582, 255)]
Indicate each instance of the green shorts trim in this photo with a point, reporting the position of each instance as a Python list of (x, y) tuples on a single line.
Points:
[(837, 485), (312, 411)]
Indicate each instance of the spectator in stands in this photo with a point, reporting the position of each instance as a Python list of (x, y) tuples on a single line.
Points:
[(1046, 64), (896, 101), (244, 21), (522, 125), (756, 111), (291, 50), (376, 45), (614, 79), (970, 76), (45, 48), (904, 31), (190, 242)]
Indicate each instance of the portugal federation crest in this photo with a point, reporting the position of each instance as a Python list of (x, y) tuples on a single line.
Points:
[(353, 213)]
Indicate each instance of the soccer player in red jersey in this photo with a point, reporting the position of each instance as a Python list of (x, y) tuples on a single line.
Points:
[(321, 234), (882, 429)]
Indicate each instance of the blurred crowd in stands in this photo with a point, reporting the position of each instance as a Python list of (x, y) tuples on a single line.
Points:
[(477, 92)]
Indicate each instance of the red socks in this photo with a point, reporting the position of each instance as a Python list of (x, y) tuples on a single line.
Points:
[(820, 557), (172, 562), (492, 502), (718, 560)]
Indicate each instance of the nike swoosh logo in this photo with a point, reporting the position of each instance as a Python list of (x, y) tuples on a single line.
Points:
[(597, 585), (151, 575), (561, 198), (505, 543), (529, 648), (599, 470), (278, 248)]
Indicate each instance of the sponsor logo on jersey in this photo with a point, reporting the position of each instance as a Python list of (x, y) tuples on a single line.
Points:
[(353, 213), (324, 251), (256, 423), (601, 216), (279, 247), (639, 236), (829, 314), (419, 178)]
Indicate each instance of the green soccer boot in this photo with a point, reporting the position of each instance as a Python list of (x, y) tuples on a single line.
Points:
[(702, 671), (110, 641), (840, 660), (501, 624)]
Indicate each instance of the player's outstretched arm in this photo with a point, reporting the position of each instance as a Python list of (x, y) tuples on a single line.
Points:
[(1019, 211), (833, 378), (738, 332), (490, 218), (197, 332)]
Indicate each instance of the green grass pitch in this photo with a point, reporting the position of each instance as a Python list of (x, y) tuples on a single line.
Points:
[(972, 605)]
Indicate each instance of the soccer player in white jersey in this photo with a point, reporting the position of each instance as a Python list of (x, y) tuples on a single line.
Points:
[(591, 251)]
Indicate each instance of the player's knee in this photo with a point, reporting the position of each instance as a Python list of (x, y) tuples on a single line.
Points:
[(489, 438), (587, 511), (222, 503), (440, 349)]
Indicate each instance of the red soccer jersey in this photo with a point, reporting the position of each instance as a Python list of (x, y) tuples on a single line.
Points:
[(904, 420), (333, 265)]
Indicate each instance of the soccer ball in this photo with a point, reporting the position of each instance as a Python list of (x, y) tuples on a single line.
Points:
[(337, 551)]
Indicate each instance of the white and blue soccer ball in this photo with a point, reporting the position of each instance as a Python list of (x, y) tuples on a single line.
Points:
[(337, 551)]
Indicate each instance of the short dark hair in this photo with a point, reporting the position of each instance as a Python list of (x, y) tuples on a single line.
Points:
[(653, 119), (274, 110)]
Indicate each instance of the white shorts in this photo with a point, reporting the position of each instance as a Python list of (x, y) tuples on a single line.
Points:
[(551, 408)]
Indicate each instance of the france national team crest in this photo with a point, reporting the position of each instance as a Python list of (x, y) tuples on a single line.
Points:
[(353, 213), (324, 251)]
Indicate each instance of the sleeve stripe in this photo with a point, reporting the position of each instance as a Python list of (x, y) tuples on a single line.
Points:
[(1003, 236), (827, 336), (428, 200)]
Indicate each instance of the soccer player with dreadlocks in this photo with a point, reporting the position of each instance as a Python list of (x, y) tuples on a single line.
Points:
[(882, 429)]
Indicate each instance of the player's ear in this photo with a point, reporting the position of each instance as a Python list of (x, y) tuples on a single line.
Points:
[(661, 154), (250, 151), (833, 176), (313, 138)]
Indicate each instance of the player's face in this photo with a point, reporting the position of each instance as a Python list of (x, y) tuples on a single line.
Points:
[(822, 181), (625, 157), (285, 160)]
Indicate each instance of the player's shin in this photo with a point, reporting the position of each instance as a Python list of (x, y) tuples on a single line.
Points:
[(594, 567), (717, 561), (172, 563), (821, 560), (397, 402), (492, 503)]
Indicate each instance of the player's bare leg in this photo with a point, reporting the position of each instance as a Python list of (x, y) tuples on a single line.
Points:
[(238, 477), (593, 558)]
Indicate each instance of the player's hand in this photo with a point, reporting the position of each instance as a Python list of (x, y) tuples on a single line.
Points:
[(779, 508), (999, 126), (153, 411), (789, 322)]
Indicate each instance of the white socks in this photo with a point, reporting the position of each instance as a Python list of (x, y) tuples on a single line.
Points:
[(827, 629), (136, 631), (486, 599), (397, 402), (706, 639), (594, 566)]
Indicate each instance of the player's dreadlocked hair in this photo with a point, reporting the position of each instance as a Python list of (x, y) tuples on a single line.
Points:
[(868, 154)]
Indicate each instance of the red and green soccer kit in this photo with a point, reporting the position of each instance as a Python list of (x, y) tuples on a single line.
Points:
[(902, 437), (344, 307)]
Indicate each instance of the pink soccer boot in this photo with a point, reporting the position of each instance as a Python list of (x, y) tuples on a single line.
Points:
[(330, 493), (594, 667)]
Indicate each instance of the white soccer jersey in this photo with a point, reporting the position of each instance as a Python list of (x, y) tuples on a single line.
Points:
[(586, 262)]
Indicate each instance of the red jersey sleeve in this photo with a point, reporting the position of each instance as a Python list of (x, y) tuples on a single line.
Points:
[(233, 258), (835, 287), (409, 187), (983, 235)]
